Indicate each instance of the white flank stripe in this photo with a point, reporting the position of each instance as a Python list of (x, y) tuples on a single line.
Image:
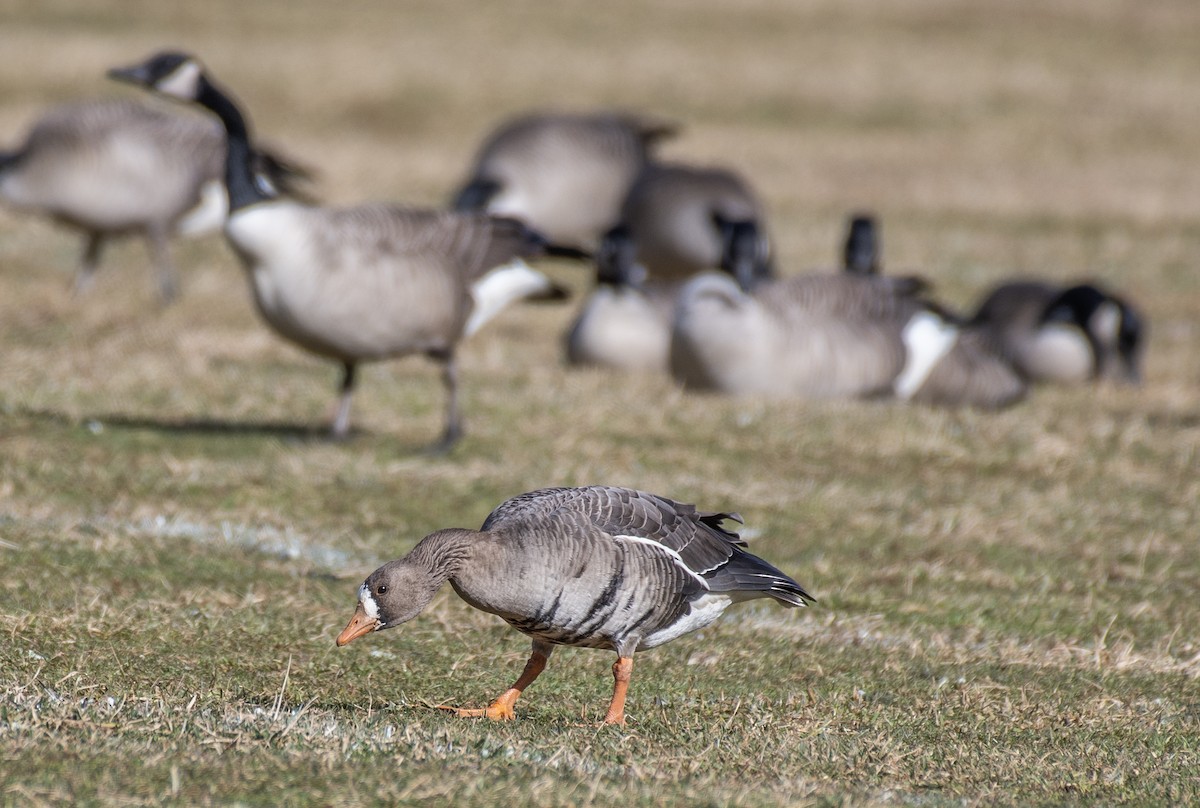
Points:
[(503, 285), (678, 559), (927, 338)]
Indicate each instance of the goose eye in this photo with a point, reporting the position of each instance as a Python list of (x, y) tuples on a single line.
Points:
[(379, 590)]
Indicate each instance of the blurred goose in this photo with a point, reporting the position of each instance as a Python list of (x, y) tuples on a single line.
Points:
[(562, 174), (362, 283), (1063, 334), (832, 336), (115, 166), (684, 218), (594, 567), (625, 323)]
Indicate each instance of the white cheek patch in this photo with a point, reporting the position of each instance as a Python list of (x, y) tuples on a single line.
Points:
[(370, 607), (183, 82), (927, 338)]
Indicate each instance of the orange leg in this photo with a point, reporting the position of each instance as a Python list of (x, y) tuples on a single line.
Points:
[(502, 708), (622, 673)]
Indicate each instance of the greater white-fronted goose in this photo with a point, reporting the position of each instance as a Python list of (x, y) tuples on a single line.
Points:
[(832, 336), (563, 174), (1065, 334), (685, 219), (108, 167), (362, 283), (595, 567)]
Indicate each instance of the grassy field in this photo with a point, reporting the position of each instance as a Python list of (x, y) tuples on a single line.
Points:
[(1007, 602)]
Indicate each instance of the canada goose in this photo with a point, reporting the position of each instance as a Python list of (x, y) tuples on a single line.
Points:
[(114, 166), (861, 253), (683, 220), (830, 336), (362, 283), (594, 567), (625, 323), (562, 174), (1063, 334)]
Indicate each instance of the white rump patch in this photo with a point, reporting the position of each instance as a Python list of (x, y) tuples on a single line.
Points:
[(368, 602), (704, 611), (209, 213), (183, 82), (927, 338), (501, 286)]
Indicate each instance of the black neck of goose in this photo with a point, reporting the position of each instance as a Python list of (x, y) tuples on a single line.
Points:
[(240, 182)]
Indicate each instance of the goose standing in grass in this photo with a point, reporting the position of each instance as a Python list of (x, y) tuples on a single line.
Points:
[(595, 567), (1063, 334), (562, 174), (832, 336), (361, 283), (684, 218), (109, 167)]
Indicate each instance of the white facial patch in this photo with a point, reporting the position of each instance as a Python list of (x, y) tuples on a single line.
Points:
[(927, 338), (501, 286), (370, 607), (182, 82)]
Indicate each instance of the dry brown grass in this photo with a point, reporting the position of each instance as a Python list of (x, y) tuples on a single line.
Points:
[(1007, 600)]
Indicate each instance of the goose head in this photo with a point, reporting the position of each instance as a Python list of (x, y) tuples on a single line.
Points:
[(1114, 330), (861, 253), (393, 594), (171, 73), (616, 260), (745, 251)]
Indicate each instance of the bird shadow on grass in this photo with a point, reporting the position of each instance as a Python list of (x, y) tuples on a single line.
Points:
[(97, 423), (309, 434)]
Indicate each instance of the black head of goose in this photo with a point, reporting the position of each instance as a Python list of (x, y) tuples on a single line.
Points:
[(563, 174), (860, 255), (595, 567), (1064, 334), (361, 283), (114, 166)]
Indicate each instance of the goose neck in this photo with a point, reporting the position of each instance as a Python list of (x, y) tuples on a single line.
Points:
[(240, 179)]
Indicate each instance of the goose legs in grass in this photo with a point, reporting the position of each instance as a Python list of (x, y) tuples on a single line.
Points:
[(501, 709)]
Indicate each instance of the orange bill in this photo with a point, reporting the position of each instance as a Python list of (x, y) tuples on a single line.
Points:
[(359, 625)]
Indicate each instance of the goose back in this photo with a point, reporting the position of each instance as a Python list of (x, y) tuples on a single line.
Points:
[(816, 336), (114, 165), (563, 174), (675, 214)]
